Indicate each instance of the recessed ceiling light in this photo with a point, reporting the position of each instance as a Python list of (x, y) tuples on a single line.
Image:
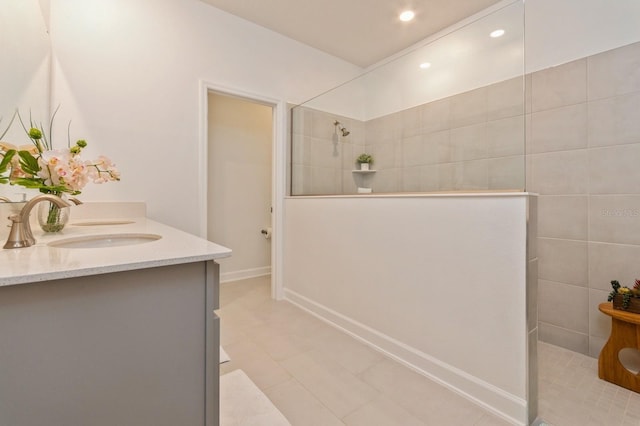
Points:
[(497, 33), (407, 15), (425, 65)]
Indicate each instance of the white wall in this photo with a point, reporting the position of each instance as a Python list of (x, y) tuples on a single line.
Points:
[(436, 281), (25, 48), (558, 32), (239, 183), (127, 73)]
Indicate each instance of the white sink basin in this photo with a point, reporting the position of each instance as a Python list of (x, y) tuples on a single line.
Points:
[(107, 240), (103, 222)]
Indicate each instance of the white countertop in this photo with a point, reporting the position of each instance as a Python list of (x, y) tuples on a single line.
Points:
[(42, 262)]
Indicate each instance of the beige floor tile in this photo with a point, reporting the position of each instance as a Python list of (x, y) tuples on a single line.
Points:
[(399, 382), (230, 333), (279, 345), (299, 405), (491, 420), (238, 315), (347, 351), (444, 407), (381, 412), (253, 360), (338, 389)]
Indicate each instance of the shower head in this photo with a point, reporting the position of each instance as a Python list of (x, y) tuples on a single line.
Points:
[(340, 127)]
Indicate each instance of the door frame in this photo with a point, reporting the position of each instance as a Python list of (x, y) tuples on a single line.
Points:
[(278, 170)]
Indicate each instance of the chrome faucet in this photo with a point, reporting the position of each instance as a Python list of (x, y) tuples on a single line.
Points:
[(20, 234)]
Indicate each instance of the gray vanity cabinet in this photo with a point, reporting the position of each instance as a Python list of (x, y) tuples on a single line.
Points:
[(137, 348)]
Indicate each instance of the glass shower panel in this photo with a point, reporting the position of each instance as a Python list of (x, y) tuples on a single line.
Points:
[(445, 116)]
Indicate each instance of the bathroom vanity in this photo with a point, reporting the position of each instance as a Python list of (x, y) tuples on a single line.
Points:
[(103, 333)]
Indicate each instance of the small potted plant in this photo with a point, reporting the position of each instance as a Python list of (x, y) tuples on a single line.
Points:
[(625, 298), (364, 160)]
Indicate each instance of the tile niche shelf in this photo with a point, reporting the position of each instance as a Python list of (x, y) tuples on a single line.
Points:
[(363, 171)]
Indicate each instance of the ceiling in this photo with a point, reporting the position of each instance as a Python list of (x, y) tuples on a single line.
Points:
[(362, 32)]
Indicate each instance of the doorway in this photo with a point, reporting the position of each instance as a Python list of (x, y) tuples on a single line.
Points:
[(239, 183)]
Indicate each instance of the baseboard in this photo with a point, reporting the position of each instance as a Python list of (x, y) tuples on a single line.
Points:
[(244, 274), (509, 407)]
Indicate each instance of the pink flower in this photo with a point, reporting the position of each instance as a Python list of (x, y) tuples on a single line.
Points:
[(103, 170)]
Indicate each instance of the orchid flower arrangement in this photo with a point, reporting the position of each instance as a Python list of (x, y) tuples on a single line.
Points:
[(51, 171)]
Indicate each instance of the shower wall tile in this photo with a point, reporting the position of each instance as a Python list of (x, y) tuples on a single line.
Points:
[(614, 170), (325, 154), (301, 150), (530, 184), (382, 130), (357, 129), (387, 181), (609, 262), (411, 179), (563, 216), (574, 341), (559, 129), (472, 175), (437, 147), (595, 345), (469, 108), (505, 99), (436, 116), (563, 261), (506, 173), (614, 72), (614, 121), (325, 181), (301, 180), (430, 178), (599, 323), (413, 151), (346, 153), (528, 138), (564, 305), (560, 173), (559, 86), (528, 93), (614, 219), (349, 185), (469, 142), (446, 177), (322, 125), (506, 137), (372, 133), (384, 156), (411, 122)]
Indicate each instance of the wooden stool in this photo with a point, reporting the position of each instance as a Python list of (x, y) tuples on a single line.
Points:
[(625, 333)]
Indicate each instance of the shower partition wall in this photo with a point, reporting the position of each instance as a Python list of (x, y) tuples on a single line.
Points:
[(448, 115)]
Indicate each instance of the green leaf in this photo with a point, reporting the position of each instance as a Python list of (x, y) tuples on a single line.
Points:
[(28, 162), (28, 182), (6, 160)]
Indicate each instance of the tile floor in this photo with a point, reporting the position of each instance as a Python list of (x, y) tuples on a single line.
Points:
[(316, 375)]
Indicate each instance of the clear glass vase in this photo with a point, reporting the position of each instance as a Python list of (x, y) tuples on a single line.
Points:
[(51, 217)]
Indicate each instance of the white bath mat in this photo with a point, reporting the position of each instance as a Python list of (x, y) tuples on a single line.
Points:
[(223, 356), (243, 404)]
